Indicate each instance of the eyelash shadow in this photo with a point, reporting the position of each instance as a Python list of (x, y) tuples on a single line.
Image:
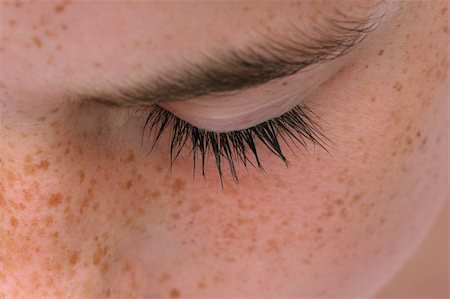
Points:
[(296, 126)]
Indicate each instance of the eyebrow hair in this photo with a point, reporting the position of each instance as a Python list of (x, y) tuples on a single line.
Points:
[(231, 70)]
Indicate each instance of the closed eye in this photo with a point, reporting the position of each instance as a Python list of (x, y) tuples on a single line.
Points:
[(296, 127)]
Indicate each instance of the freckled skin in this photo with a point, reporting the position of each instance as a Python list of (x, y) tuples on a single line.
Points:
[(85, 212)]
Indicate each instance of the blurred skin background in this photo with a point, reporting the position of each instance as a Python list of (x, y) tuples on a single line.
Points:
[(426, 274), (87, 212)]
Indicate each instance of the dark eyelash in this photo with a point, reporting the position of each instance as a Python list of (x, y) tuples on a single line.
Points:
[(296, 126)]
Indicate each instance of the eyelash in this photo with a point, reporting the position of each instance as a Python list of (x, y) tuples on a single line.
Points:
[(296, 125)]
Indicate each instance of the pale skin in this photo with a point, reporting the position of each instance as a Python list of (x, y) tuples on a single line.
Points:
[(86, 212)]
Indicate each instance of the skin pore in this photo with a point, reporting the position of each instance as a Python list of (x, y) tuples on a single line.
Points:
[(87, 212)]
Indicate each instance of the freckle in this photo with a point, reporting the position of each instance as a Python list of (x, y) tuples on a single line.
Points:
[(97, 65), (339, 202), (54, 200), (155, 194), (313, 188), (444, 10), (137, 66), (14, 222), (338, 230), (12, 23), (129, 184), (99, 254), (408, 127), (408, 140), (28, 167), (11, 177), (380, 52), (74, 258), (273, 245), (43, 165), (66, 152), (81, 176), (164, 278), (174, 293), (201, 285), (130, 158), (48, 220), (372, 99), (356, 198), (230, 259), (177, 186), (50, 60), (158, 168), (96, 206), (105, 268), (424, 142), (41, 119), (398, 86), (59, 8), (92, 182), (395, 118), (195, 208), (319, 230), (37, 41)]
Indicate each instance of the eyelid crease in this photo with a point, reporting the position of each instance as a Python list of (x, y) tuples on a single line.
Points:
[(223, 71)]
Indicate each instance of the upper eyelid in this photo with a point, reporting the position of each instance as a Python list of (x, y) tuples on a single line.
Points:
[(235, 69)]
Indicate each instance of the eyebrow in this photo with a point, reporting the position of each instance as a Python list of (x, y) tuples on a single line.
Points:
[(224, 71)]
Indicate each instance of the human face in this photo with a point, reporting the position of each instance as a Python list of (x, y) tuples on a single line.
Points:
[(87, 212)]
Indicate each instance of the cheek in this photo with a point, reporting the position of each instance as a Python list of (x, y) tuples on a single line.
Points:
[(63, 204), (334, 225)]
